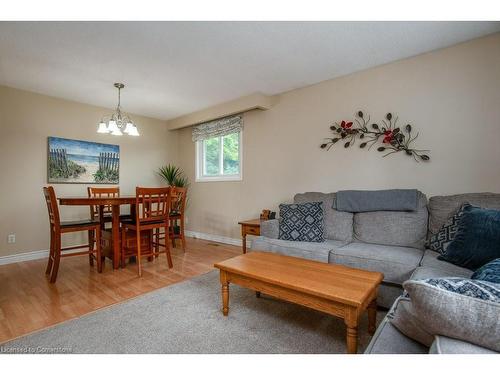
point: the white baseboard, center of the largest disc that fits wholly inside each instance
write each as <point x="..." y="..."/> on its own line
<point x="217" y="238"/>
<point x="23" y="257"/>
<point x="42" y="254"/>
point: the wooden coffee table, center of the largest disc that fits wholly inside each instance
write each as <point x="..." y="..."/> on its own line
<point x="341" y="291"/>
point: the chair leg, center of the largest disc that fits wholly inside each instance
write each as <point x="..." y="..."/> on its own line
<point x="167" y="249"/>
<point x="91" y="247"/>
<point x="172" y="226"/>
<point x="138" y="237"/>
<point x="122" y="248"/>
<point x="51" y="253"/>
<point x="183" y="239"/>
<point x="98" y="249"/>
<point x="157" y="246"/>
<point x="57" y="258"/>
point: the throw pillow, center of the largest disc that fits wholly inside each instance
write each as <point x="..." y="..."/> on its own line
<point x="477" y="240"/>
<point x="301" y="222"/>
<point x="459" y="308"/>
<point x="489" y="272"/>
<point x="404" y="318"/>
<point x="439" y="241"/>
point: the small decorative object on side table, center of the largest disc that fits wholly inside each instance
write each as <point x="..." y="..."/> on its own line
<point x="251" y="227"/>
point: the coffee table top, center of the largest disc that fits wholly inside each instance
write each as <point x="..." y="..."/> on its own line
<point x="331" y="281"/>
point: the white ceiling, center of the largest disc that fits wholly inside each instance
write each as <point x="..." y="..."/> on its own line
<point x="174" y="68"/>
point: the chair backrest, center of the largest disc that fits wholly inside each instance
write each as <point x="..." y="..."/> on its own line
<point x="178" y="200"/>
<point x="102" y="192"/>
<point x="53" y="209"/>
<point x="152" y="204"/>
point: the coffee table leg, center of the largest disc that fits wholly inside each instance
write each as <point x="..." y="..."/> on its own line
<point x="225" y="298"/>
<point x="352" y="340"/>
<point x="372" y="315"/>
<point x="351" y="322"/>
<point x="225" y="292"/>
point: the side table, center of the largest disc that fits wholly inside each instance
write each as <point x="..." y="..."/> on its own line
<point x="251" y="227"/>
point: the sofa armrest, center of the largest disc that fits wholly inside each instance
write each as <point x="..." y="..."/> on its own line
<point x="447" y="345"/>
<point x="270" y="228"/>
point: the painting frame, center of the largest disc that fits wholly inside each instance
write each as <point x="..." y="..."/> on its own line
<point x="73" y="161"/>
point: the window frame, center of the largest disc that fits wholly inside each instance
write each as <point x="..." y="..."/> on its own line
<point x="200" y="161"/>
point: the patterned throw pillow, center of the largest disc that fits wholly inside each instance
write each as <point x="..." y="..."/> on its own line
<point x="463" y="309"/>
<point x="473" y="288"/>
<point x="489" y="272"/>
<point x="301" y="222"/>
<point x="439" y="242"/>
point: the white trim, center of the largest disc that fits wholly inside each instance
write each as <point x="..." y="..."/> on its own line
<point x="44" y="254"/>
<point x="217" y="238"/>
<point x="32" y="255"/>
<point x="23" y="257"/>
<point x="200" y="162"/>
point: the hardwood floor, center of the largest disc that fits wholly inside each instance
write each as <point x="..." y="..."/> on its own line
<point x="28" y="302"/>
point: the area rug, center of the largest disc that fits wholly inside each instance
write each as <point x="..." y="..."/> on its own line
<point x="187" y="318"/>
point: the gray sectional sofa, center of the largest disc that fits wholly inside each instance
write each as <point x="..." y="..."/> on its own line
<point x="386" y="241"/>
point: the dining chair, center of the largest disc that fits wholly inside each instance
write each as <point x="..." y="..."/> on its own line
<point x="152" y="210"/>
<point x="58" y="228"/>
<point x="178" y="207"/>
<point x="102" y="192"/>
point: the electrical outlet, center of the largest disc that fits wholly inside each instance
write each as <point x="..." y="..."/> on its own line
<point x="186" y="220"/>
<point x="11" y="238"/>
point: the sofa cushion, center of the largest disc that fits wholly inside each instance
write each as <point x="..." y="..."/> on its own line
<point x="447" y="345"/>
<point x="395" y="262"/>
<point x="337" y="225"/>
<point x="459" y="308"/>
<point x="387" y="294"/>
<point x="489" y="272"/>
<point x="388" y="340"/>
<point x="301" y="222"/>
<point x="309" y="250"/>
<point x="439" y="242"/>
<point x="395" y="228"/>
<point x="270" y="228"/>
<point x="442" y="207"/>
<point x="477" y="241"/>
<point x="430" y="260"/>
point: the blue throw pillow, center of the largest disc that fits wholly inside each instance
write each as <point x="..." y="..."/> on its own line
<point x="301" y="222"/>
<point x="477" y="240"/>
<point x="489" y="272"/>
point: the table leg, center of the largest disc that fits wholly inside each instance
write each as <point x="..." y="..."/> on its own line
<point x="244" y="242"/>
<point x="352" y="340"/>
<point x="372" y="316"/>
<point x="225" y="292"/>
<point x="351" y="321"/>
<point x="116" y="235"/>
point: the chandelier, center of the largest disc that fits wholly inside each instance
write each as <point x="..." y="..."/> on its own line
<point x="118" y="123"/>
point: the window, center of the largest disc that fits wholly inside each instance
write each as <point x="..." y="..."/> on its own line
<point x="219" y="158"/>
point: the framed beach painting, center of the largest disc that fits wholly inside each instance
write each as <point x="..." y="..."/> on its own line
<point x="81" y="162"/>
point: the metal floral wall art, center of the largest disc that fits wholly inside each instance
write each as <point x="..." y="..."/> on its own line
<point x="390" y="137"/>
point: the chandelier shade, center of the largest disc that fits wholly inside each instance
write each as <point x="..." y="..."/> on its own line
<point x="118" y="123"/>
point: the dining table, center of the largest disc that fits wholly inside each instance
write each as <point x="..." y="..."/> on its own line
<point x="115" y="203"/>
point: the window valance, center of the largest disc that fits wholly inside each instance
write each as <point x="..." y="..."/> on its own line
<point x="218" y="128"/>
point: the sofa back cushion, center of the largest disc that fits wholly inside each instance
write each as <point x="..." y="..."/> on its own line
<point x="398" y="228"/>
<point x="337" y="225"/>
<point x="441" y="208"/>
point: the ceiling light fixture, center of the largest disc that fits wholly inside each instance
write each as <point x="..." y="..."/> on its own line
<point x="118" y="123"/>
